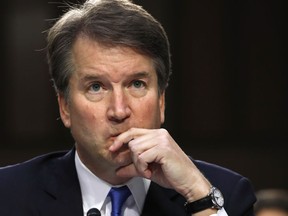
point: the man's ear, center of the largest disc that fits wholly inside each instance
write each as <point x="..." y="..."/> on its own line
<point x="162" y="107"/>
<point x="64" y="110"/>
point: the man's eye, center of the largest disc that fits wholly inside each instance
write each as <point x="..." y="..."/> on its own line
<point x="95" y="87"/>
<point x="138" y="84"/>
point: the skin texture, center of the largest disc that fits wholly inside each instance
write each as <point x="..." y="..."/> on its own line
<point x="115" y="112"/>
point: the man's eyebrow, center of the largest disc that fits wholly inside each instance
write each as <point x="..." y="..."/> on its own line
<point x="141" y="74"/>
<point x="90" y="77"/>
<point x="136" y="75"/>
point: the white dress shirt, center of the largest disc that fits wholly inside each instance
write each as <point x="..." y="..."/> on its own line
<point x="94" y="193"/>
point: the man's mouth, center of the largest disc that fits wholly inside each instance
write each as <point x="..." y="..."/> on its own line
<point x="114" y="136"/>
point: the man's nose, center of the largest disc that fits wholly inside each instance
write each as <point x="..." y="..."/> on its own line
<point x="119" y="108"/>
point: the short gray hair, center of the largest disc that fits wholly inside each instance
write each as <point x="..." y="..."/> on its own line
<point x="111" y="23"/>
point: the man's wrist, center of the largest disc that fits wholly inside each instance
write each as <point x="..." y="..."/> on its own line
<point x="197" y="191"/>
<point x="214" y="200"/>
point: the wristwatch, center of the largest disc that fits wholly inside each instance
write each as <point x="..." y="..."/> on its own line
<point x="214" y="200"/>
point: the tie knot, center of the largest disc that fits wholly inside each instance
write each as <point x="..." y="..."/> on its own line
<point x="118" y="196"/>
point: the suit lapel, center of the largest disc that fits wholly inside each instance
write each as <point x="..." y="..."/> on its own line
<point x="61" y="187"/>
<point x="161" y="201"/>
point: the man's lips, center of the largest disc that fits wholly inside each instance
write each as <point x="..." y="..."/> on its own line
<point x="114" y="136"/>
<point x="124" y="145"/>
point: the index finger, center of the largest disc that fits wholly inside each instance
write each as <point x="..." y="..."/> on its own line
<point x="125" y="138"/>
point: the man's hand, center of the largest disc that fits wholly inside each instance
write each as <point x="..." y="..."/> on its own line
<point x="158" y="157"/>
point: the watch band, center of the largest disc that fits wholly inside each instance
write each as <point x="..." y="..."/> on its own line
<point x="199" y="205"/>
<point x="214" y="200"/>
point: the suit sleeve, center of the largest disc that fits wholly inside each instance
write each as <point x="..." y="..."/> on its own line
<point x="238" y="191"/>
<point x="242" y="199"/>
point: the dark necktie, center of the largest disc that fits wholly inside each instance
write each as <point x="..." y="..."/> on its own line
<point x="118" y="197"/>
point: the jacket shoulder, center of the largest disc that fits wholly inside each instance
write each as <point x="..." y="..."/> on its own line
<point x="237" y="189"/>
<point x="44" y="185"/>
<point x="25" y="173"/>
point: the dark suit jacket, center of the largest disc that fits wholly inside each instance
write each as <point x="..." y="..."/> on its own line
<point x="48" y="186"/>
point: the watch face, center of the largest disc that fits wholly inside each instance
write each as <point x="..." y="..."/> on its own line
<point x="218" y="197"/>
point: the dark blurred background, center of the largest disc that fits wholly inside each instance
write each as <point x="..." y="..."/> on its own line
<point x="227" y="102"/>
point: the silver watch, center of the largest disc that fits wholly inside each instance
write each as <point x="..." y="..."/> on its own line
<point x="214" y="200"/>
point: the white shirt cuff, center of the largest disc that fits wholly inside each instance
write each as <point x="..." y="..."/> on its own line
<point x="220" y="212"/>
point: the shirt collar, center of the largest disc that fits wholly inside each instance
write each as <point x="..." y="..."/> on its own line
<point x="94" y="190"/>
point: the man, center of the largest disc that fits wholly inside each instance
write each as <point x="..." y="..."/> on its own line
<point x="110" y="63"/>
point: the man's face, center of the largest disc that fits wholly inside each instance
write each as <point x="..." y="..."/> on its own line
<point x="112" y="90"/>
